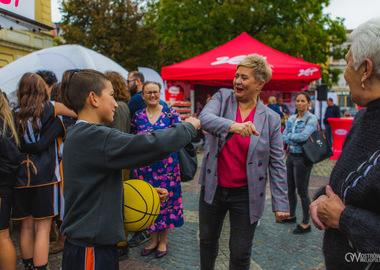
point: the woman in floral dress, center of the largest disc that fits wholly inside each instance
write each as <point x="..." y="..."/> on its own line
<point x="163" y="174"/>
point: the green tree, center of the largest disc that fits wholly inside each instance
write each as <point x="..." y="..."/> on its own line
<point x="113" y="28"/>
<point x="186" y="28"/>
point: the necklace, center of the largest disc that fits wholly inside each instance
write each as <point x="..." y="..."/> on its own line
<point x="156" y="111"/>
<point x="150" y="114"/>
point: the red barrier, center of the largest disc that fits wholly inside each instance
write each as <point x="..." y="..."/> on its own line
<point x="340" y="128"/>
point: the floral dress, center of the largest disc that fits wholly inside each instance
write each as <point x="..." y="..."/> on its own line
<point x="163" y="174"/>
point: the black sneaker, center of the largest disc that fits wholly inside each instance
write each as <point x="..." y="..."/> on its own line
<point x="301" y="230"/>
<point x="139" y="238"/>
<point x="123" y="252"/>
<point x="289" y="220"/>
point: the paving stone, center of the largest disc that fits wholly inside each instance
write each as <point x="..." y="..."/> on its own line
<point x="274" y="245"/>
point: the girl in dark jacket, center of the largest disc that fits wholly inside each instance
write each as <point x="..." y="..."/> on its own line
<point x="9" y="161"/>
<point x="35" y="188"/>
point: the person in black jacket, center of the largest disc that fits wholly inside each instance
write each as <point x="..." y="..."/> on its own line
<point x="332" y="111"/>
<point x="348" y="209"/>
<point x="9" y="162"/>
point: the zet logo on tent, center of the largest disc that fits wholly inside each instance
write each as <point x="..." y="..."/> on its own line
<point x="307" y="72"/>
<point x="230" y="60"/>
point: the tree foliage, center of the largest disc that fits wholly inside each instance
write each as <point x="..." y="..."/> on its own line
<point x="113" y="28"/>
<point x="156" y="33"/>
<point x="187" y="28"/>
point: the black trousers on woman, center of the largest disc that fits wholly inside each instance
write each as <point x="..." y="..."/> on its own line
<point x="298" y="170"/>
<point x="211" y="217"/>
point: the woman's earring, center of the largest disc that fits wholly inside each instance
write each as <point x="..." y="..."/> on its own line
<point x="363" y="86"/>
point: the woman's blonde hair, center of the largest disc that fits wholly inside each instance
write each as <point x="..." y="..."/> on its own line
<point x="272" y="100"/>
<point x="7" y="117"/>
<point x="150" y="82"/>
<point x="260" y="68"/>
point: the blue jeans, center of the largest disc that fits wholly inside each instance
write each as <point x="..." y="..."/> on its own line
<point x="298" y="170"/>
<point x="211" y="217"/>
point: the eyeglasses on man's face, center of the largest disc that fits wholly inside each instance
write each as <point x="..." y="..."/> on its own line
<point x="128" y="81"/>
<point x="148" y="93"/>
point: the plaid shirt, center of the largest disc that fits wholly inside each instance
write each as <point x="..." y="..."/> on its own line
<point x="265" y="155"/>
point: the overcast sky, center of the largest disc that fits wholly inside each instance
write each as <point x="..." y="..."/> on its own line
<point x="354" y="11"/>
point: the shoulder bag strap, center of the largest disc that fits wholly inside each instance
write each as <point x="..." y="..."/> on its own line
<point x="318" y="128"/>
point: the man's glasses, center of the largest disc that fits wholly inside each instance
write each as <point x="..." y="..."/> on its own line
<point x="128" y="81"/>
<point x="148" y="93"/>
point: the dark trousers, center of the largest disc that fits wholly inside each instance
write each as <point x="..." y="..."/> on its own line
<point x="298" y="170"/>
<point x="211" y="216"/>
<point x="94" y="258"/>
<point x="329" y="134"/>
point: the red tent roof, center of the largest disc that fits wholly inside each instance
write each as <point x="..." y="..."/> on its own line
<point x="218" y="66"/>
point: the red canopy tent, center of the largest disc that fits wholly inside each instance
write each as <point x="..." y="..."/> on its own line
<point x="217" y="67"/>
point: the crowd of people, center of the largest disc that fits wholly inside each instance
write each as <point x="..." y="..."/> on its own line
<point x="92" y="131"/>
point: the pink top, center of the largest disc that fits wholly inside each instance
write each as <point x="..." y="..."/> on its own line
<point x="232" y="160"/>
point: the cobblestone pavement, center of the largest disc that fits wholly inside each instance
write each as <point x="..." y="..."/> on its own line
<point x="275" y="247"/>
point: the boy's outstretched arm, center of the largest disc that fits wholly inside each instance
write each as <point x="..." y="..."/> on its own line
<point x="135" y="151"/>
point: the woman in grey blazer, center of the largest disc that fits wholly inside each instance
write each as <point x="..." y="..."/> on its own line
<point x="244" y="144"/>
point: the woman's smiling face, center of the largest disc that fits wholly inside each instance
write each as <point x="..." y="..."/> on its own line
<point x="245" y="85"/>
<point x="151" y="94"/>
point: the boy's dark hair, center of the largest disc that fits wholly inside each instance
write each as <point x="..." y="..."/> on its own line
<point x="78" y="83"/>
<point x="139" y="75"/>
<point x="48" y="76"/>
<point x="56" y="93"/>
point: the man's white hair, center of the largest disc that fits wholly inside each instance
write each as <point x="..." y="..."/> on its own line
<point x="366" y="44"/>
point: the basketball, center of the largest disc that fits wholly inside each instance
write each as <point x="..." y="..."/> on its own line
<point x="141" y="205"/>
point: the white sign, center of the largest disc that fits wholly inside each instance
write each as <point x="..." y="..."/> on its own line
<point x="24" y="8"/>
<point x="341" y="132"/>
<point x="173" y="90"/>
